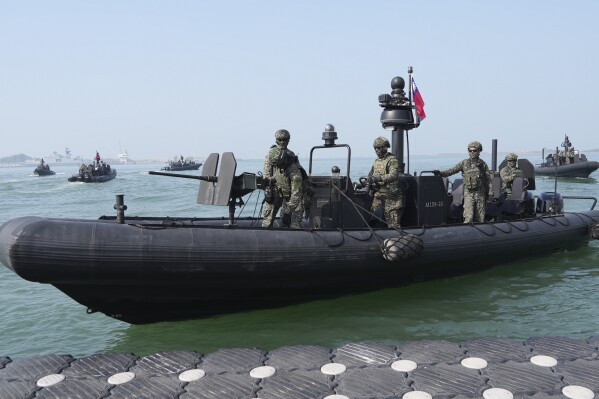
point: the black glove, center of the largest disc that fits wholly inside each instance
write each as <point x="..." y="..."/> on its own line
<point x="286" y="219"/>
<point x="374" y="179"/>
<point x="269" y="196"/>
<point x="437" y="172"/>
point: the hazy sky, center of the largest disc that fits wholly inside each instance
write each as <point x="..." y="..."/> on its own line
<point x="162" y="78"/>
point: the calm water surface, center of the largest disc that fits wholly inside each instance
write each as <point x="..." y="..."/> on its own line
<point x="556" y="295"/>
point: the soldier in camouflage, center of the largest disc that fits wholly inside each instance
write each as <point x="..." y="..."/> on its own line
<point x="570" y="155"/>
<point x="477" y="183"/>
<point x="508" y="173"/>
<point x="384" y="179"/>
<point x="283" y="171"/>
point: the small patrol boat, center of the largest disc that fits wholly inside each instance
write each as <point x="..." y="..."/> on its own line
<point x="43" y="169"/>
<point x="182" y="164"/>
<point x="89" y="174"/>
<point x="98" y="172"/>
<point x="566" y="163"/>
<point x="150" y="269"/>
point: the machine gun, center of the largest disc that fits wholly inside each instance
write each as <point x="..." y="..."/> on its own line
<point x="224" y="188"/>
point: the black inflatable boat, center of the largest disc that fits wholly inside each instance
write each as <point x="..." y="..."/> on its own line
<point x="567" y="162"/>
<point x="148" y="269"/>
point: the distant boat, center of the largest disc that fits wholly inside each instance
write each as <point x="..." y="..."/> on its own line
<point x="89" y="174"/>
<point x="99" y="172"/>
<point x="181" y="164"/>
<point x="566" y="163"/>
<point x="43" y="169"/>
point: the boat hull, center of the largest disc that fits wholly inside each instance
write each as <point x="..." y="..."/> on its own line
<point x="578" y="169"/>
<point x="180" y="168"/>
<point x="154" y="270"/>
<point x="43" y="172"/>
<point x="87" y="178"/>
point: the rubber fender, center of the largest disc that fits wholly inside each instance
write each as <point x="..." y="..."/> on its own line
<point x="396" y="249"/>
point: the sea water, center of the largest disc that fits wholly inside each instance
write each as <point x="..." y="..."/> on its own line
<point x="552" y="296"/>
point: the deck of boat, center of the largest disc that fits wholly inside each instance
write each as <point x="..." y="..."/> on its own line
<point x="545" y="367"/>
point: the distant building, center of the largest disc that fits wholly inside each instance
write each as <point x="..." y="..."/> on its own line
<point x="123" y="157"/>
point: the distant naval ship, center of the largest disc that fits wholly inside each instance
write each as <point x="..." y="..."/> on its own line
<point x="59" y="159"/>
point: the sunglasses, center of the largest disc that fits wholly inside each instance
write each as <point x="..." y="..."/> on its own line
<point x="282" y="141"/>
<point x="472" y="150"/>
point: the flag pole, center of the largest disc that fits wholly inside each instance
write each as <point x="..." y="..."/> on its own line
<point x="410" y="70"/>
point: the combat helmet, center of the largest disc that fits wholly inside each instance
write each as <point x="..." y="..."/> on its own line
<point x="511" y="157"/>
<point x="475" y="144"/>
<point x="282" y="134"/>
<point x="381" y="141"/>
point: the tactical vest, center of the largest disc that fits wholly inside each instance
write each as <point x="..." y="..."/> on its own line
<point x="282" y="177"/>
<point x="380" y="168"/>
<point x="474" y="176"/>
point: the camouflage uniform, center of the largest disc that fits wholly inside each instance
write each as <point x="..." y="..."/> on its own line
<point x="385" y="175"/>
<point x="509" y="173"/>
<point x="570" y="158"/>
<point x="302" y="193"/>
<point x="477" y="183"/>
<point x="282" y="166"/>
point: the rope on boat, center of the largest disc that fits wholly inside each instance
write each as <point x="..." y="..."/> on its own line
<point x="593" y="227"/>
<point x="484" y="232"/>
<point x="545" y="220"/>
<point x="589" y="217"/>
<point x="495" y="225"/>
<point x="254" y="218"/>
<point x="422" y="231"/>
<point x="358" y="238"/>
<point x="503" y="231"/>
<point x="315" y="232"/>
<point x="512" y="223"/>
<point x="394" y="249"/>
<point x="566" y="223"/>
<point x="150" y="226"/>
<point x="256" y="206"/>
<point x="556" y="220"/>
<point x="356" y="206"/>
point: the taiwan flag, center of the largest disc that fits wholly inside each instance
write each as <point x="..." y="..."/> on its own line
<point x="418" y="101"/>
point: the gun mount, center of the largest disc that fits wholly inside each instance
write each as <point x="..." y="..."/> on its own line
<point x="224" y="188"/>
